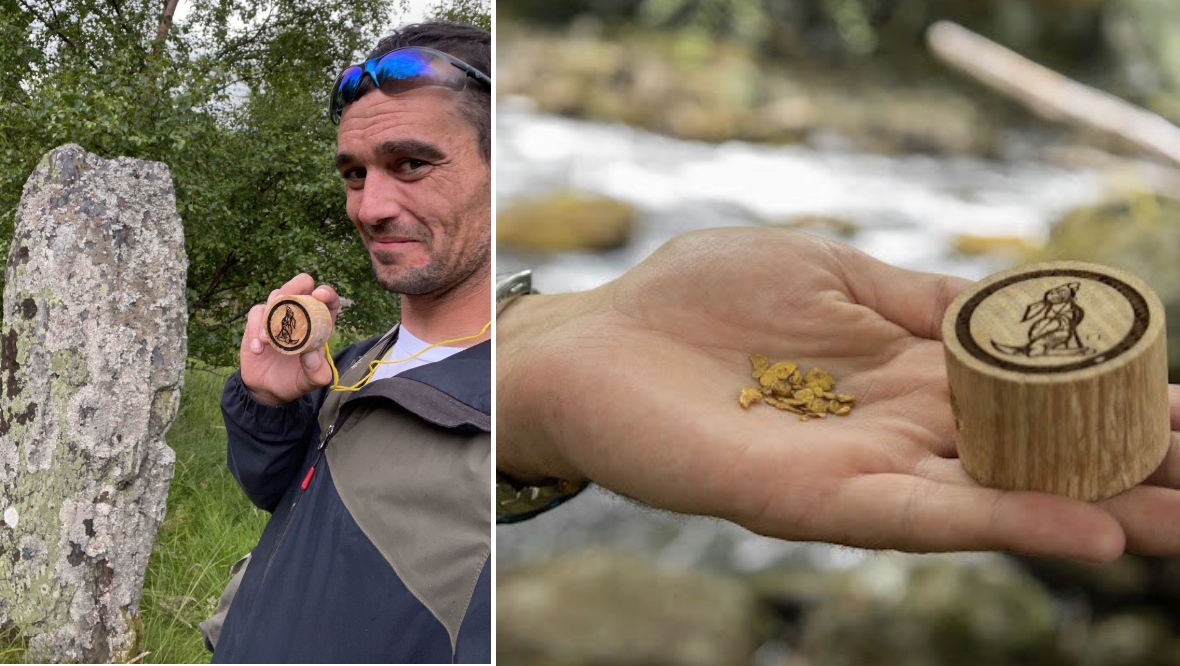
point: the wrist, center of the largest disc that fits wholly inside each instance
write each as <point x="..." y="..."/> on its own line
<point x="264" y="397"/>
<point x="528" y="388"/>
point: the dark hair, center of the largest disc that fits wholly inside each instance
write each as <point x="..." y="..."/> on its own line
<point x="471" y="45"/>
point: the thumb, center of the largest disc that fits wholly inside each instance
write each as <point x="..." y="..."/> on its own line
<point x="316" y="372"/>
<point x="914" y="300"/>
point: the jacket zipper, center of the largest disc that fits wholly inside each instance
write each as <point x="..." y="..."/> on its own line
<point x="311" y="472"/>
<point x="302" y="489"/>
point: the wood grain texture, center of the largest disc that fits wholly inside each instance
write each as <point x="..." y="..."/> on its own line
<point x="1059" y="380"/>
<point x="297" y="324"/>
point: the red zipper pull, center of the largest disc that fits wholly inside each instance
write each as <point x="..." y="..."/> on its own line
<point x="320" y="448"/>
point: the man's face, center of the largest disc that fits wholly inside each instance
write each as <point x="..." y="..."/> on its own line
<point x="417" y="189"/>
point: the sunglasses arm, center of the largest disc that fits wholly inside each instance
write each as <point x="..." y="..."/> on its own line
<point x="471" y="71"/>
<point x="480" y="76"/>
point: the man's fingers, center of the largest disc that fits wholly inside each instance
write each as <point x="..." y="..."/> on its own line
<point x="1148" y="516"/>
<point x="316" y="371"/>
<point x="920" y="515"/>
<point x="1145" y="512"/>
<point x="1168" y="473"/>
<point x="253" y="329"/>
<point x="327" y="295"/>
<point x="1174" y="404"/>
<point x="915" y="301"/>
<point x="301" y="285"/>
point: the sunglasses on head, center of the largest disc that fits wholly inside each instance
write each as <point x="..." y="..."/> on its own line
<point x="401" y="70"/>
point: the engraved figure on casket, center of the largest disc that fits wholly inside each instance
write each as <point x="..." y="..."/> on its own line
<point x="1054" y="331"/>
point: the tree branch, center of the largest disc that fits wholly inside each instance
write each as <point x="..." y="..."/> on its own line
<point x="231" y="259"/>
<point x="1050" y="94"/>
<point x="240" y="315"/>
<point x="126" y="28"/>
<point x="165" y="24"/>
<point x="52" y="27"/>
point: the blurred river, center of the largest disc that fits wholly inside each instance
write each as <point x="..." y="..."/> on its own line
<point x="908" y="209"/>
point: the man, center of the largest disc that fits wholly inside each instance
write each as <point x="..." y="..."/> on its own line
<point x="645" y="404"/>
<point x="378" y="547"/>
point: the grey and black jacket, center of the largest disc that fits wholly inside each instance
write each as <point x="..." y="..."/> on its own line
<point x="378" y="547"/>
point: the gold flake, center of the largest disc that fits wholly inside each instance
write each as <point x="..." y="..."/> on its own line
<point x="760" y="363"/>
<point x="820" y="378"/>
<point x="749" y="396"/>
<point x="783" y="386"/>
<point x="783" y="369"/>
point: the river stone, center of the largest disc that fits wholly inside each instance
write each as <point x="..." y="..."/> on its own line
<point x="1131" y="639"/>
<point x="931" y="611"/>
<point x="609" y="609"/>
<point x="93" y="347"/>
<point x="565" y="221"/>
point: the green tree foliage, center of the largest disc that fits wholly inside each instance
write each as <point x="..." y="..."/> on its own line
<point x="234" y="100"/>
<point x="472" y="12"/>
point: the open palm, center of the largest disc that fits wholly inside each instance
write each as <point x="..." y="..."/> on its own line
<point x="635" y="387"/>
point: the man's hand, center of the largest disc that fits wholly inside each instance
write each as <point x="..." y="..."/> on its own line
<point x="274" y="378"/>
<point x="634" y="385"/>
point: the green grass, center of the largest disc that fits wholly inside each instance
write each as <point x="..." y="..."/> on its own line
<point x="209" y="525"/>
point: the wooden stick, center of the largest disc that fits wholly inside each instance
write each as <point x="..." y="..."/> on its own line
<point x="1050" y="94"/>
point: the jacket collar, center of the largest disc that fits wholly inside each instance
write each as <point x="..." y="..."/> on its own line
<point x="454" y="392"/>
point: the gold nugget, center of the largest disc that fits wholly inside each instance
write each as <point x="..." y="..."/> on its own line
<point x="760" y="364"/>
<point x="810" y="395"/>
<point x="750" y="396"/>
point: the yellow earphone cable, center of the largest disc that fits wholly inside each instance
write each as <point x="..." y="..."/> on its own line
<point x="373" y="364"/>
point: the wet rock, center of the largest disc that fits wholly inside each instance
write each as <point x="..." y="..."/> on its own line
<point x="1142" y="34"/>
<point x="692" y="86"/>
<point x="1013" y="247"/>
<point x="1139" y="234"/>
<point x="1109" y="587"/>
<point x="565" y="221"/>
<point x="1131" y="639"/>
<point x="933" y="611"/>
<point x="93" y="350"/>
<point x="609" y="609"/>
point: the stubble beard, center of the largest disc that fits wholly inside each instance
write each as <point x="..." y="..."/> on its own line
<point x="436" y="276"/>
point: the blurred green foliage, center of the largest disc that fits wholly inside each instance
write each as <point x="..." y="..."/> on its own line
<point x="1129" y="47"/>
<point x="234" y="100"/>
<point x="839" y="28"/>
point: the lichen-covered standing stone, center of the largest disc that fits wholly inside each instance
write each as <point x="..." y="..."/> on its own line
<point x="92" y="355"/>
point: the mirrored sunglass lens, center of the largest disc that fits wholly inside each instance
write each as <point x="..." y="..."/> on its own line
<point x="349" y="80"/>
<point x="345" y="91"/>
<point x="404" y="70"/>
